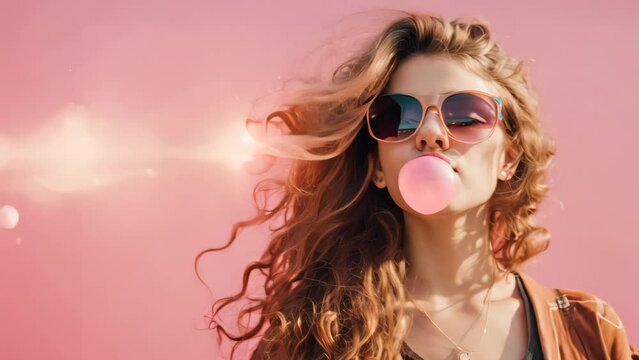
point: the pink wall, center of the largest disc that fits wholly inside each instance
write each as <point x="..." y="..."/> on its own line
<point x="114" y="116"/>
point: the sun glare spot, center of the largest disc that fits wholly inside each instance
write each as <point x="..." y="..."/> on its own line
<point x="9" y="217"/>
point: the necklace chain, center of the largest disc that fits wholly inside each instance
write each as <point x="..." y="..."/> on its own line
<point x="463" y="353"/>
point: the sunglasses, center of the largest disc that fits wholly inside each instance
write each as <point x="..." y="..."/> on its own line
<point x="469" y="116"/>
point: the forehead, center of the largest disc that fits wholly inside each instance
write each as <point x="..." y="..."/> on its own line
<point x="427" y="74"/>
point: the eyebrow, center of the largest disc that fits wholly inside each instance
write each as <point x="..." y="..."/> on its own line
<point x="422" y="94"/>
<point x="442" y="93"/>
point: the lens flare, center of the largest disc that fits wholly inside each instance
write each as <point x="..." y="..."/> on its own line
<point x="9" y="217"/>
<point x="78" y="150"/>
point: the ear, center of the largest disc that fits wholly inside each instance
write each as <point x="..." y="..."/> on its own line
<point x="378" y="175"/>
<point x="513" y="155"/>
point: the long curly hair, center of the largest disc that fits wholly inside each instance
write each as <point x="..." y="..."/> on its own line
<point x="335" y="268"/>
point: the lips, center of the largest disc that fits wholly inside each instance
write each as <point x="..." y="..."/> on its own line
<point x="443" y="157"/>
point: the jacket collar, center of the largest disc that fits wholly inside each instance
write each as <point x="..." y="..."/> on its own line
<point x="542" y="299"/>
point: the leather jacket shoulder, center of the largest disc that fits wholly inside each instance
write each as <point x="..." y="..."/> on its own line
<point x="575" y="324"/>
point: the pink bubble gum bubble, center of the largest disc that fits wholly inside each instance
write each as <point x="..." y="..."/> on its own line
<point x="427" y="184"/>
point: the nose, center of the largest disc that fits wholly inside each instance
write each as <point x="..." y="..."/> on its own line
<point x="432" y="131"/>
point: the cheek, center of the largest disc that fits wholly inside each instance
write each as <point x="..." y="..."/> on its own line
<point x="390" y="167"/>
<point x="481" y="165"/>
<point x="390" y="159"/>
<point x="391" y="162"/>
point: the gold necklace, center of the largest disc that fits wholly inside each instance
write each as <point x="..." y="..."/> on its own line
<point x="462" y="353"/>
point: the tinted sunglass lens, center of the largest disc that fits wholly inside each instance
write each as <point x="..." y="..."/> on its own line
<point x="469" y="117"/>
<point x="394" y="117"/>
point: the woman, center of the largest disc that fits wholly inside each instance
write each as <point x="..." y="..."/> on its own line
<point x="358" y="270"/>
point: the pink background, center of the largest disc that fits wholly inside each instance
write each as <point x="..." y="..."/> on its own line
<point x="121" y="145"/>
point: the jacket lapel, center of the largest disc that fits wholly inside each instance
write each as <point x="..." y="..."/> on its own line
<point x="542" y="298"/>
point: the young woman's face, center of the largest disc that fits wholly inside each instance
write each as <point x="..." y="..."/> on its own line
<point x="477" y="166"/>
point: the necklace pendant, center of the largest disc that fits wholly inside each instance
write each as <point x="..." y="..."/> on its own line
<point x="464" y="356"/>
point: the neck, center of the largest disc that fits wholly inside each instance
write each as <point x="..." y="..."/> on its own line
<point x="449" y="255"/>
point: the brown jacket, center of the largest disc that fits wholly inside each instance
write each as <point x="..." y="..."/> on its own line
<point x="576" y="324"/>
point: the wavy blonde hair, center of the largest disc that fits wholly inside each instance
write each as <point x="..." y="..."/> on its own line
<point x="335" y="269"/>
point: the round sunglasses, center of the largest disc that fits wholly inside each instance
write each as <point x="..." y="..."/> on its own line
<point x="469" y="116"/>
